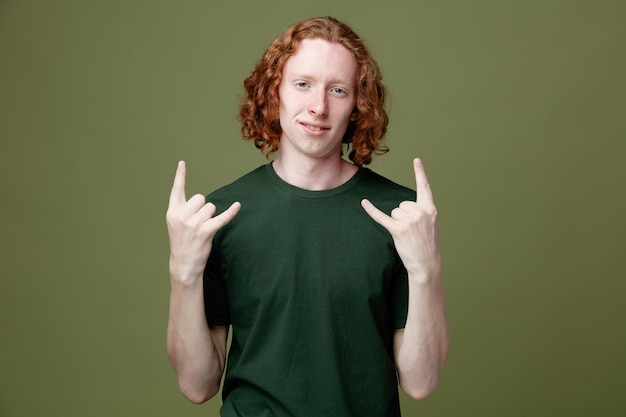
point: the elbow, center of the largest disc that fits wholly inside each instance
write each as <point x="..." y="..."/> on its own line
<point x="196" y="396"/>
<point x="421" y="391"/>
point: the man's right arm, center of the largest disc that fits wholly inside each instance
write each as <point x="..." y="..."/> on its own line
<point x="196" y="351"/>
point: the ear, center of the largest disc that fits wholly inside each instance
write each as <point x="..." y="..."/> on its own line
<point x="354" y="115"/>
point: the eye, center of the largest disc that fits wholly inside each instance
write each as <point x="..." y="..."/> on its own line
<point x="338" y="90"/>
<point x="302" y="84"/>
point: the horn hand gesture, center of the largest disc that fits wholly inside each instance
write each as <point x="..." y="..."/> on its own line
<point x="414" y="228"/>
<point x="191" y="226"/>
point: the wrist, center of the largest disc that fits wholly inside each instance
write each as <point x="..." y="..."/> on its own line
<point x="185" y="277"/>
<point x="425" y="277"/>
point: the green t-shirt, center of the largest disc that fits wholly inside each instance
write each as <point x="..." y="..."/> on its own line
<point x="314" y="290"/>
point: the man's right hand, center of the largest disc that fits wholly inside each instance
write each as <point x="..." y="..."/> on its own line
<point x="191" y="228"/>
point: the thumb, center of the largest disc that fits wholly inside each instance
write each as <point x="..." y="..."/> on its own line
<point x="224" y="218"/>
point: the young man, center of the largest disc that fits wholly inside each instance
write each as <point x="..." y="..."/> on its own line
<point x="328" y="273"/>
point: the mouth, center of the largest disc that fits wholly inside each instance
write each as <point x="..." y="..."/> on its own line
<point x="315" y="128"/>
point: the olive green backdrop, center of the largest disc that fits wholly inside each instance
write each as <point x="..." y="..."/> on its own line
<point x="516" y="107"/>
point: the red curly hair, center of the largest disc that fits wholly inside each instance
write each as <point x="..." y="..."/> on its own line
<point x="259" y="114"/>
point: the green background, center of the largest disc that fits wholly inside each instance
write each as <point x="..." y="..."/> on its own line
<point x="516" y="107"/>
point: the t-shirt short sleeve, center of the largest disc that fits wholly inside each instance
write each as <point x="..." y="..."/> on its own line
<point x="399" y="298"/>
<point x="215" y="294"/>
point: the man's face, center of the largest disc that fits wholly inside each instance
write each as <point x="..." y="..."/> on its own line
<point x="317" y="99"/>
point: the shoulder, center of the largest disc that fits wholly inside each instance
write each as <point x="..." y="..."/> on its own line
<point x="383" y="192"/>
<point x="247" y="186"/>
<point x="380" y="184"/>
<point x="244" y="183"/>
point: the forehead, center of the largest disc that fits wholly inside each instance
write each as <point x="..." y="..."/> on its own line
<point x="320" y="58"/>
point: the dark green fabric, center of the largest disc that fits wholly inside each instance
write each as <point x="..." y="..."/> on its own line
<point x="314" y="289"/>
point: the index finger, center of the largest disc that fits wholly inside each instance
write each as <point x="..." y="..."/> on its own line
<point x="424" y="192"/>
<point x="177" y="195"/>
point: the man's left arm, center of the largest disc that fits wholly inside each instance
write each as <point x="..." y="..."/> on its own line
<point x="421" y="348"/>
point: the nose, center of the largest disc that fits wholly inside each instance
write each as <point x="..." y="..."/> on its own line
<point x="318" y="105"/>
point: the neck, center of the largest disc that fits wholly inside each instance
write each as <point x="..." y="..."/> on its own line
<point x="314" y="174"/>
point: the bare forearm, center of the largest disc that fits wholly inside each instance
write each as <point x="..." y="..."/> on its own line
<point x="422" y="347"/>
<point x="195" y="355"/>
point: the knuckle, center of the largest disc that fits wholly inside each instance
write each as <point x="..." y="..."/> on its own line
<point x="171" y="216"/>
<point x="197" y="197"/>
<point x="418" y="216"/>
<point x="431" y="210"/>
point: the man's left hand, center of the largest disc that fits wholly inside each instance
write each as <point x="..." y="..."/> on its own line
<point x="414" y="228"/>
